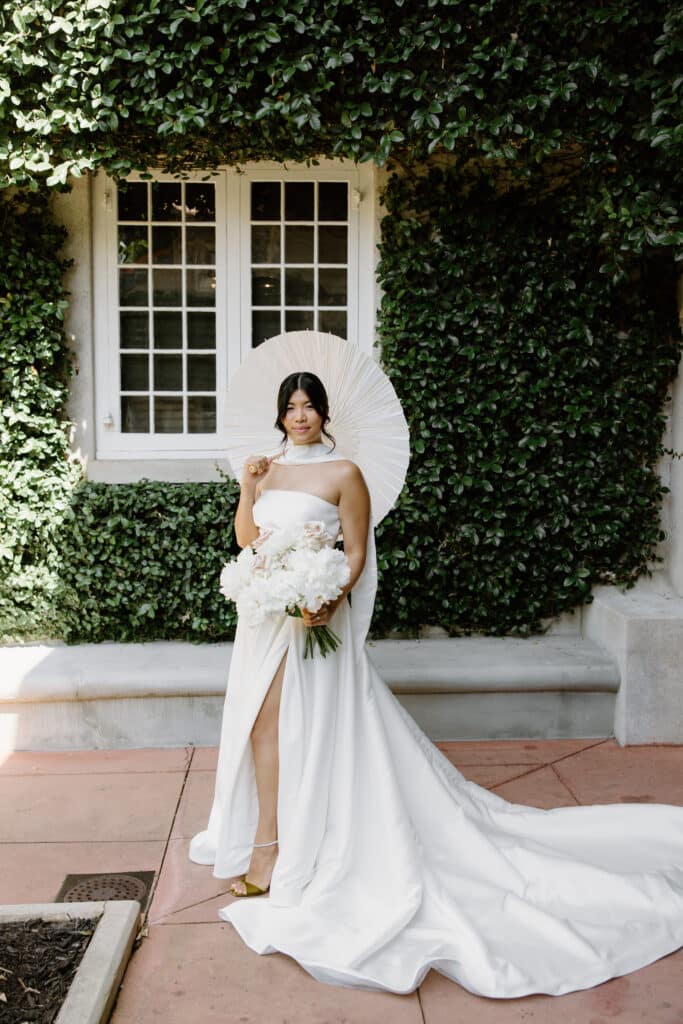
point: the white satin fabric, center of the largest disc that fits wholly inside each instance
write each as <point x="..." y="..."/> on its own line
<point x="391" y="863"/>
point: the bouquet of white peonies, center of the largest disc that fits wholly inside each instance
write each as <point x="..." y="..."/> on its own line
<point x="285" y="570"/>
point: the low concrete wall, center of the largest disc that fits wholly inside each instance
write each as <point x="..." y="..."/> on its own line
<point x="54" y="697"/>
<point x="642" y="629"/>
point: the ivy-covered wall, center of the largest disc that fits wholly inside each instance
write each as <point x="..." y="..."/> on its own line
<point x="534" y="387"/>
<point x="528" y="319"/>
<point x="36" y="473"/>
<point x="118" y="81"/>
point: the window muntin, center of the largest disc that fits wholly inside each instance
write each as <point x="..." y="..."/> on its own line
<point x="166" y="246"/>
<point x="154" y="227"/>
<point x="299" y="251"/>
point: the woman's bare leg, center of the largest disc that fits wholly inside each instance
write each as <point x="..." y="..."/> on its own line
<point x="264" y="743"/>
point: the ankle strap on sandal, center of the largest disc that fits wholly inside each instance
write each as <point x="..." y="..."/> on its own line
<point x="267" y="844"/>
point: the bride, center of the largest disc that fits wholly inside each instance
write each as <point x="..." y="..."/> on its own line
<point x="371" y="856"/>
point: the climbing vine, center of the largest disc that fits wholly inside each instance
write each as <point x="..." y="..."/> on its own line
<point x="534" y="388"/>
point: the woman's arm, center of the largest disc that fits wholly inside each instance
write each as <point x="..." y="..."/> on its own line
<point x="354" y="516"/>
<point x="246" y="529"/>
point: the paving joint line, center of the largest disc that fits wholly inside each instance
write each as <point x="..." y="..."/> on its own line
<point x="561" y="779"/>
<point x="419" y="1003"/>
<point x="566" y="785"/>
<point x="72" y="842"/>
<point x="575" y="753"/>
<point x="145" y="917"/>
<point x="522" y="775"/>
<point x="189" y="906"/>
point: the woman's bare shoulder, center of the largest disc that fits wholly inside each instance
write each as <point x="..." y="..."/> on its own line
<point x="348" y="473"/>
<point x="346" y="466"/>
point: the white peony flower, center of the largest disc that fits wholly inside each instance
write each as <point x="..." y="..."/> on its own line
<point x="291" y="568"/>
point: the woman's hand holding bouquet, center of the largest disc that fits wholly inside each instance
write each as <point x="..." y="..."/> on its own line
<point x="294" y="570"/>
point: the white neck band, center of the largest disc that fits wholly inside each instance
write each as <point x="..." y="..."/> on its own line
<point x="317" y="451"/>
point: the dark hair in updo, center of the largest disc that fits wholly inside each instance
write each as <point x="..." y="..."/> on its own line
<point x="314" y="388"/>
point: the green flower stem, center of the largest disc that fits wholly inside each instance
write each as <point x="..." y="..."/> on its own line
<point x="322" y="637"/>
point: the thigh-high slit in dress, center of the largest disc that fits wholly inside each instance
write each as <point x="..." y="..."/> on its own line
<point x="390" y="862"/>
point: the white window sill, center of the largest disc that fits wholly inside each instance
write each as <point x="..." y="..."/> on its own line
<point x="127" y="471"/>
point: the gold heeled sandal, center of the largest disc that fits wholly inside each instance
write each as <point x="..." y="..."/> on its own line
<point x="252" y="890"/>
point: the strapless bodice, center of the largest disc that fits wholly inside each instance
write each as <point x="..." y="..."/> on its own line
<point x="276" y="507"/>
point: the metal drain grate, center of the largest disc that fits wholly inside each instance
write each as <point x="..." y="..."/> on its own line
<point x="114" y="885"/>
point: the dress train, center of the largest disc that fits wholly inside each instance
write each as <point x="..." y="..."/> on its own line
<point x="391" y="862"/>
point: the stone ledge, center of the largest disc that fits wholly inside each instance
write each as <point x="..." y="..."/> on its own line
<point x="167" y="694"/>
<point x="642" y="629"/>
<point x="494" y="664"/>
<point x="57" y="672"/>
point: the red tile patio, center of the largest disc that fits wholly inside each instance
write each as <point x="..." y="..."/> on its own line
<point x="135" y="810"/>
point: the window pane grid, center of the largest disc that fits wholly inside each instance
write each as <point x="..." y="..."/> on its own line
<point x="315" y="257"/>
<point x="168" y="380"/>
<point x="313" y="294"/>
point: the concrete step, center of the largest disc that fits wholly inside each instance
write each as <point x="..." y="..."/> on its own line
<point x="502" y="687"/>
<point x="169" y="693"/>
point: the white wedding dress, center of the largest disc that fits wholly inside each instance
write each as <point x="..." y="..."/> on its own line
<point x="390" y="862"/>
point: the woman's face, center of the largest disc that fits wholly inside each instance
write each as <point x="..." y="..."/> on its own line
<point x="301" y="421"/>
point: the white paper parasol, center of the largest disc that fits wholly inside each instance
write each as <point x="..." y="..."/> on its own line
<point x="366" y="418"/>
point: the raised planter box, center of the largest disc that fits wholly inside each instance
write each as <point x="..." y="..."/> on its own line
<point x="93" y="990"/>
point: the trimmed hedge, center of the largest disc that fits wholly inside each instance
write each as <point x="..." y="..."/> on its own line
<point x="142" y="562"/>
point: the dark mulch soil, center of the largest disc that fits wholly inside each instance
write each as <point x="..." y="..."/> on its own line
<point x="38" y="960"/>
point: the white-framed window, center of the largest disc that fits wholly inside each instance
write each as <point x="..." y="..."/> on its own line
<point x="190" y="274"/>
